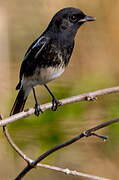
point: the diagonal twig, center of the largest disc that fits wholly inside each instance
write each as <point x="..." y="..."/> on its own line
<point x="70" y="172"/>
<point x="30" y="161"/>
<point x="86" y="96"/>
<point x="82" y="97"/>
<point x="87" y="133"/>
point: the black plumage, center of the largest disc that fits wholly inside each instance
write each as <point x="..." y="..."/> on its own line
<point x="48" y="56"/>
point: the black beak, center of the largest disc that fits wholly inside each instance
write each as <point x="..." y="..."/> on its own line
<point x="87" y="18"/>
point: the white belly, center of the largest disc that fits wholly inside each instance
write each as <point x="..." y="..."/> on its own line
<point x="43" y="76"/>
<point x="49" y="74"/>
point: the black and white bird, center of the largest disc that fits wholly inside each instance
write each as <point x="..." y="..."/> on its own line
<point x="48" y="56"/>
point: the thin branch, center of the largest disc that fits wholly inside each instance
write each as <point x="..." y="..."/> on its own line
<point x="13" y="145"/>
<point x="70" y="172"/>
<point x="87" y="133"/>
<point x="66" y="171"/>
<point x="86" y="96"/>
<point x="82" y="97"/>
<point x="29" y="161"/>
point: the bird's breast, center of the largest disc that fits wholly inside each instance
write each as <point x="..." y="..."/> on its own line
<point x="44" y="75"/>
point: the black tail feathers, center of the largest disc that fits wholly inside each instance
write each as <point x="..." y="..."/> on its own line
<point x="19" y="103"/>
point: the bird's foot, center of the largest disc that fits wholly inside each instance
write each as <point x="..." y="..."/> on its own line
<point x="55" y="104"/>
<point x="37" y="110"/>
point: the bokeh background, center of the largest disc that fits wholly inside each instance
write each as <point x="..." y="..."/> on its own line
<point x="94" y="65"/>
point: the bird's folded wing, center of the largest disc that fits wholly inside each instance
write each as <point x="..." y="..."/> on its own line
<point x="36" y="47"/>
<point x="29" y="61"/>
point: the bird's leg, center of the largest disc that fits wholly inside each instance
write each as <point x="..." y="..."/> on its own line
<point x="55" y="102"/>
<point x="37" y="106"/>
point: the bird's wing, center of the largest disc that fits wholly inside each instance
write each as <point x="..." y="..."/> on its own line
<point x="36" y="47"/>
<point x="29" y="62"/>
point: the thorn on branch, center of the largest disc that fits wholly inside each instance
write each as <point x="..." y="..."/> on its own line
<point x="67" y="171"/>
<point x="89" y="133"/>
<point x="91" y="98"/>
<point x="100" y="136"/>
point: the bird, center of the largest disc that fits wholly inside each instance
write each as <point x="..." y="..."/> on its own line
<point x="48" y="56"/>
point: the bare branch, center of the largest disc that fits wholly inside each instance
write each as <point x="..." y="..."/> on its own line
<point x="13" y="145"/>
<point x="87" y="133"/>
<point x="30" y="161"/>
<point x="82" y="97"/>
<point x="70" y="172"/>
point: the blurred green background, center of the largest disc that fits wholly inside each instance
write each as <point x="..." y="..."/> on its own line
<point x="94" y="65"/>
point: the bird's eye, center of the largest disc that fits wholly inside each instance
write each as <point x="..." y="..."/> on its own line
<point x="73" y="18"/>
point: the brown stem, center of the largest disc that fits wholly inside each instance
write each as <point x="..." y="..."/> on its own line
<point x="29" y="161"/>
<point x="86" y="133"/>
<point x="82" y="97"/>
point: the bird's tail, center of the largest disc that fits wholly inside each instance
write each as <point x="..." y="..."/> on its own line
<point x="19" y="102"/>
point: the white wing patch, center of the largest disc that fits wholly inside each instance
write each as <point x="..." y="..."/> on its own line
<point x="38" y="41"/>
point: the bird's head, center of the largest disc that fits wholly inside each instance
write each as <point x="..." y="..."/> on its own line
<point x="68" y="20"/>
